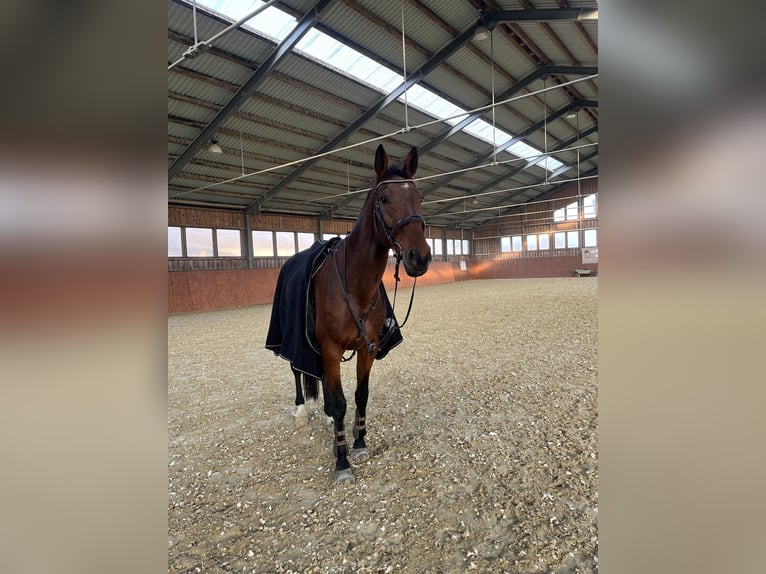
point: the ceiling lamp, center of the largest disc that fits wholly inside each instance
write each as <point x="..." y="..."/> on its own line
<point x="481" y="33"/>
<point x="214" y="147"/>
<point x="483" y="30"/>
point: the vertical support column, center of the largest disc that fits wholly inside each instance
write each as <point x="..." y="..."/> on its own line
<point x="184" y="252"/>
<point x="320" y="228"/>
<point x="215" y="242"/>
<point x="444" y="243"/>
<point x="248" y="241"/>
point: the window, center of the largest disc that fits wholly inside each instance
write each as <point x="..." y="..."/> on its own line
<point x="589" y="206"/>
<point x="305" y="240"/>
<point x="175" y="249"/>
<point x="438" y="247"/>
<point x="531" y="242"/>
<point x="199" y="242"/>
<point x="590" y="239"/>
<point x="450" y="247"/>
<point x="573" y="239"/>
<point x="229" y="242"/>
<point x="558" y="215"/>
<point x="285" y="243"/>
<point x="263" y="244"/>
<point x="572" y="211"/>
<point x="430" y="242"/>
<point x="505" y="244"/>
<point x="516" y="243"/>
<point x="328" y="236"/>
<point x="458" y="247"/>
<point x="466" y="250"/>
<point x="559" y="240"/>
<point x="543" y="241"/>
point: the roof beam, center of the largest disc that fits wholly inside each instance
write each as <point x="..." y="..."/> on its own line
<point x="581" y="103"/>
<point x="545" y="194"/>
<point x="542" y="15"/>
<point x="538" y="74"/>
<point x="563" y="145"/>
<point x="257" y="77"/>
<point x="415" y="77"/>
<point x="514" y="171"/>
<point x="533" y="52"/>
<point x="493" y="151"/>
<point x="540" y="197"/>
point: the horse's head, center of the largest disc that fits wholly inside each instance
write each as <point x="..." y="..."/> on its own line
<point x="397" y="211"/>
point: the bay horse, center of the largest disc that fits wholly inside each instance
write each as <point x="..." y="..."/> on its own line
<point x="350" y="303"/>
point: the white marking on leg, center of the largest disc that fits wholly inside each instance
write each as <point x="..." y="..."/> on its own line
<point x="301" y="416"/>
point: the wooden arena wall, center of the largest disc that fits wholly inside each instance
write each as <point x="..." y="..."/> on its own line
<point x="198" y="284"/>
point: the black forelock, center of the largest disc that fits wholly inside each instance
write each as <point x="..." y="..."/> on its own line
<point x="396" y="170"/>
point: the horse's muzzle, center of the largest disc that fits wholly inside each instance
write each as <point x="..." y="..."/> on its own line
<point x="416" y="264"/>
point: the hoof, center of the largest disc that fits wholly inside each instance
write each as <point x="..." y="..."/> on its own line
<point x="359" y="454"/>
<point x="345" y="476"/>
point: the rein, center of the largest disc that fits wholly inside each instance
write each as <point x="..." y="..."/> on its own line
<point x="361" y="330"/>
<point x="396" y="288"/>
<point x="389" y="232"/>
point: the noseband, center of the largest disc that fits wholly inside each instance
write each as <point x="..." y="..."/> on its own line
<point x="390" y="231"/>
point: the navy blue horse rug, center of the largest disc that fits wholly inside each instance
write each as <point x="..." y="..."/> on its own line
<point x="291" y="330"/>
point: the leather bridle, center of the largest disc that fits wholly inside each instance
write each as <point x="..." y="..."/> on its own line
<point x="391" y="231"/>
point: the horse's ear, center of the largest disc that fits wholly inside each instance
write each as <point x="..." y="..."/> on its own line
<point x="411" y="162"/>
<point x="381" y="162"/>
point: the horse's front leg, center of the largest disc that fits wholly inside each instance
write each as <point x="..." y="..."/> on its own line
<point x="363" y="367"/>
<point x="335" y="406"/>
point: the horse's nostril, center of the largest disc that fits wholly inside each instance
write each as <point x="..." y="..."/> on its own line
<point x="413" y="254"/>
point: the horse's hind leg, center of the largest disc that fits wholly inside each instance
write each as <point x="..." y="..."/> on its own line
<point x="301" y="416"/>
<point x="364" y="362"/>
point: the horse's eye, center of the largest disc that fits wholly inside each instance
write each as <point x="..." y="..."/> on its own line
<point x="384" y="200"/>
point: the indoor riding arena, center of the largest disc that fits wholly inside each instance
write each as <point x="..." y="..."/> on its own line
<point x="441" y="158"/>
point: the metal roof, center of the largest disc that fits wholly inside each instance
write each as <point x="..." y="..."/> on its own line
<point x="268" y="104"/>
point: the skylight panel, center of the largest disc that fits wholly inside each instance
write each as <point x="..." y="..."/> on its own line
<point x="483" y="130"/>
<point x="357" y="66"/>
<point x="347" y="61"/>
<point x="318" y="45"/>
<point x="276" y="25"/>
<point x="526" y="151"/>
<point x="480" y="129"/>
<point x="432" y="104"/>
<point x="272" y="22"/>
<point x="523" y="150"/>
<point x="549" y="163"/>
<point x="280" y="24"/>
<point x="383" y="78"/>
<point x="422" y="99"/>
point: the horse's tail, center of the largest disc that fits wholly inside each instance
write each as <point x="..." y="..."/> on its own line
<point x="310" y="387"/>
